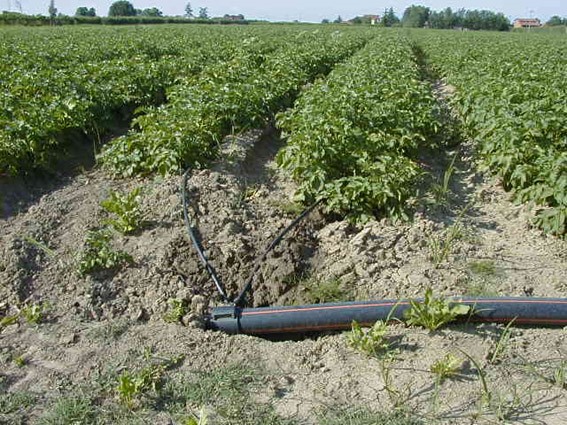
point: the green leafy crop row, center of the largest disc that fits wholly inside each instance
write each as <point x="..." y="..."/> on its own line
<point x="59" y="83"/>
<point x="512" y="96"/>
<point x="240" y="94"/>
<point x="352" y="139"/>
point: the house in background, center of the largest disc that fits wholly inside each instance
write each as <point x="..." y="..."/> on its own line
<point x="239" y="17"/>
<point x="374" y="19"/>
<point x="527" y="23"/>
<point x="365" y="19"/>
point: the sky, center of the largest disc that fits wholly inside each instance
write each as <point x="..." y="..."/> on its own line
<point x="303" y="10"/>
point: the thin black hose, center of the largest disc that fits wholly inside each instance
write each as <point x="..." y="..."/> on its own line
<point x="239" y="301"/>
<point x="208" y="267"/>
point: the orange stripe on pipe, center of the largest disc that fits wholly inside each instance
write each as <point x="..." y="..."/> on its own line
<point x="332" y="307"/>
<point x="391" y="304"/>
<point x="347" y="326"/>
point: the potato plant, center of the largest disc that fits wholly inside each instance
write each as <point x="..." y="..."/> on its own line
<point x="352" y="139"/>
<point x="57" y="85"/>
<point x="511" y="97"/>
<point x="235" y="96"/>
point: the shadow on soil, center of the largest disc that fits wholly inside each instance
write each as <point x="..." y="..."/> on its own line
<point x="76" y="155"/>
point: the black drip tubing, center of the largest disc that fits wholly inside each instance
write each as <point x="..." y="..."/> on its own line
<point x="241" y="298"/>
<point x="200" y="252"/>
<point x="339" y="316"/>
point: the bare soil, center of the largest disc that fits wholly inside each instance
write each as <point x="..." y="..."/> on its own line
<point x="105" y="321"/>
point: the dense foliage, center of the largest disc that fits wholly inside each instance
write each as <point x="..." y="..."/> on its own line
<point x="149" y="17"/>
<point x="421" y="16"/>
<point x="469" y="19"/>
<point x="556" y="21"/>
<point x="352" y="139"/>
<point x="241" y="94"/>
<point x="85" y="11"/>
<point x="70" y="80"/>
<point x="358" y="108"/>
<point x="512" y="96"/>
<point x="121" y="8"/>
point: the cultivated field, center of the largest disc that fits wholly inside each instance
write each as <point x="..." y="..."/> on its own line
<point x="439" y="161"/>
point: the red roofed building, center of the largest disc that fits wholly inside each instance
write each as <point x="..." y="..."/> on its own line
<point x="527" y="23"/>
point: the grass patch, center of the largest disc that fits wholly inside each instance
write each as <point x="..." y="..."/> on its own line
<point x="40" y="246"/>
<point x="72" y="410"/>
<point x="15" y="402"/>
<point x="481" y="276"/>
<point x="479" y="288"/>
<point x="310" y="289"/>
<point x="483" y="268"/>
<point x="150" y="390"/>
<point x="552" y="371"/>
<point x="441" y="246"/>
<point x="289" y="208"/>
<point x="441" y="190"/>
<point x="135" y="386"/>
<point x="325" y="291"/>
<point x="496" y="353"/>
<point x="109" y="331"/>
<point x="227" y="392"/>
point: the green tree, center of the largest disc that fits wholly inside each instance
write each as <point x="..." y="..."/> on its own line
<point x="556" y="21"/>
<point x="52" y="10"/>
<point x="122" y="8"/>
<point x="485" y="20"/>
<point x="415" y="16"/>
<point x="203" y="13"/>
<point x="325" y="21"/>
<point x="445" y="19"/>
<point x="339" y="20"/>
<point x="389" y="19"/>
<point x="188" y="11"/>
<point x="85" y="11"/>
<point x="153" y="11"/>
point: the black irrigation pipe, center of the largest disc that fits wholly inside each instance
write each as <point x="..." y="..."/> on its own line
<point x="339" y="316"/>
<point x="235" y="319"/>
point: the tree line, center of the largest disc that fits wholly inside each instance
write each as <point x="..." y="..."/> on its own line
<point x="126" y="8"/>
<point x="121" y="12"/>
<point x="417" y="16"/>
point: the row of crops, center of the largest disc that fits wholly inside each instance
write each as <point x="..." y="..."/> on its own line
<point x="226" y="98"/>
<point x="512" y="97"/>
<point x="57" y="82"/>
<point x="353" y="139"/>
